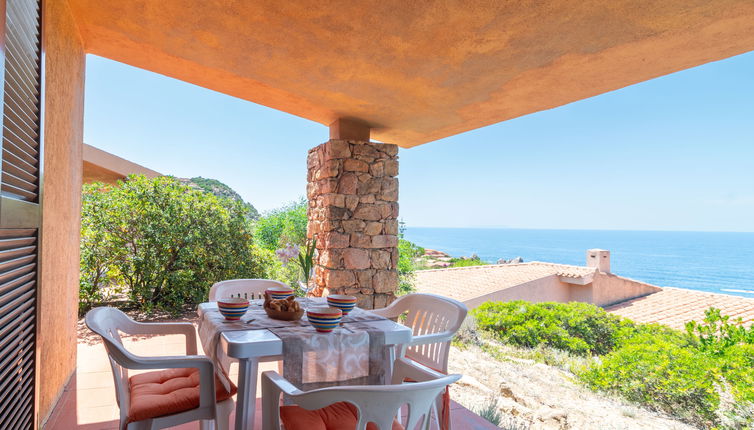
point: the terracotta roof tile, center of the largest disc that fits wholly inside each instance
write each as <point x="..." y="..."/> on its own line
<point x="675" y="307"/>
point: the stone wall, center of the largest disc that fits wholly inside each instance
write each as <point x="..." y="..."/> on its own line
<point x="353" y="212"/>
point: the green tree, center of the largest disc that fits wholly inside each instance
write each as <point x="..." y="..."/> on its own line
<point x="281" y="227"/>
<point x="407" y="254"/>
<point x="166" y="242"/>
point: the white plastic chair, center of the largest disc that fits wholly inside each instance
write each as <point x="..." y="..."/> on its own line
<point x="247" y="288"/>
<point x="110" y="322"/>
<point x="434" y="321"/>
<point x="374" y="403"/>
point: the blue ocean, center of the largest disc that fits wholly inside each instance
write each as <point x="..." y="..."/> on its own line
<point x="705" y="261"/>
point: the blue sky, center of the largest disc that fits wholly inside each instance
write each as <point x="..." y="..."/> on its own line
<point x="673" y="153"/>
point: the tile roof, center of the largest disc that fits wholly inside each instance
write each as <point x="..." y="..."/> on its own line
<point x="466" y="283"/>
<point x="674" y="307"/>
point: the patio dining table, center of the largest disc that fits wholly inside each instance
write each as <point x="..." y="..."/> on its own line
<point x="250" y="346"/>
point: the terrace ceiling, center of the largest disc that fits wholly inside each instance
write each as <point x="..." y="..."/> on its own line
<point x="415" y="71"/>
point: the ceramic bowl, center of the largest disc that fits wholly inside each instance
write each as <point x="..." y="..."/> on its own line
<point x="344" y="303"/>
<point x="324" y="320"/>
<point x="280" y="292"/>
<point x="233" y="308"/>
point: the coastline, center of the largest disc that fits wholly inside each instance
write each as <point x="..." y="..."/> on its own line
<point x="718" y="262"/>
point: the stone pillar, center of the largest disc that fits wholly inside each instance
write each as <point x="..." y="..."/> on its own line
<point x="353" y="212"/>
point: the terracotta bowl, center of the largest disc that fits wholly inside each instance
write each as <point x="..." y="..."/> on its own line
<point x="233" y="308"/>
<point x="324" y="319"/>
<point x="344" y="303"/>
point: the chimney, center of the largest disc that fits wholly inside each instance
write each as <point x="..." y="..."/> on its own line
<point x="599" y="258"/>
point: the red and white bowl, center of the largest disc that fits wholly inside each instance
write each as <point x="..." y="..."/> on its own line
<point x="342" y="302"/>
<point x="280" y="292"/>
<point x="233" y="308"/>
<point x="324" y="319"/>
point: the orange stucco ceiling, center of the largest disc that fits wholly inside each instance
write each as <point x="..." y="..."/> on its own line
<point x="415" y="71"/>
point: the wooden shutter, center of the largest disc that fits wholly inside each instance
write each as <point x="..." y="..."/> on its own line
<point x="20" y="168"/>
<point x="20" y="192"/>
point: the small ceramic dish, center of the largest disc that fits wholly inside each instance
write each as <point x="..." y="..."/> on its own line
<point x="280" y="292"/>
<point x="324" y="319"/>
<point x="233" y="308"/>
<point x="344" y="303"/>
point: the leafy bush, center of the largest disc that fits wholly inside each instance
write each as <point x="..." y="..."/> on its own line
<point x="660" y="373"/>
<point x="578" y="328"/>
<point x="166" y="243"/>
<point x="717" y="332"/>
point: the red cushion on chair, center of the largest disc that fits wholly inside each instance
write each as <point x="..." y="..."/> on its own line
<point x="166" y="392"/>
<point x="338" y="416"/>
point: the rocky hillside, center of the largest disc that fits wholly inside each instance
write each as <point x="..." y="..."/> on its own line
<point x="534" y="396"/>
<point x="221" y="190"/>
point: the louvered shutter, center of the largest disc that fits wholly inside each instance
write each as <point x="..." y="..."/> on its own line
<point x="19" y="210"/>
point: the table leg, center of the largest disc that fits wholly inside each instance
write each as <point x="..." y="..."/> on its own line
<point x="246" y="401"/>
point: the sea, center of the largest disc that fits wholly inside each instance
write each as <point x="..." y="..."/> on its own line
<point x="705" y="261"/>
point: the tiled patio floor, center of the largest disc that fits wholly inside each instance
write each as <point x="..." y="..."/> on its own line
<point x="89" y="399"/>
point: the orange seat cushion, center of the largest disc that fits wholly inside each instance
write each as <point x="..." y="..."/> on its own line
<point x="338" y="416"/>
<point x="169" y="391"/>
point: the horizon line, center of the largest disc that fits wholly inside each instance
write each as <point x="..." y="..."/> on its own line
<point x="582" y="229"/>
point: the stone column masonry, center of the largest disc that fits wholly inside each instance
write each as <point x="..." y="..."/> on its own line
<point x="353" y="212"/>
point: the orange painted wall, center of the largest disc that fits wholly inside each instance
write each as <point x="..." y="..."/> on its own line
<point x="61" y="207"/>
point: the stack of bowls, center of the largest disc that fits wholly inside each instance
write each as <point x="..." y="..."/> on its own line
<point x="344" y="303"/>
<point x="280" y="292"/>
<point x="233" y="308"/>
<point x="324" y="319"/>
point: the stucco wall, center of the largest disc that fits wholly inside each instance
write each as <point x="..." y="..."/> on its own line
<point x="548" y="289"/>
<point x="59" y="261"/>
<point x="608" y="289"/>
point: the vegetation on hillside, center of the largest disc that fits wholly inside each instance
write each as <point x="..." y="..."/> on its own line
<point x="162" y="244"/>
<point x="704" y="376"/>
<point x="467" y="262"/>
<point x="408" y="252"/>
<point x="219" y="189"/>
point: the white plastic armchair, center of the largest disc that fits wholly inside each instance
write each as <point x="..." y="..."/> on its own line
<point x="434" y="321"/>
<point x="108" y="323"/>
<point x="377" y="404"/>
<point x="246" y="288"/>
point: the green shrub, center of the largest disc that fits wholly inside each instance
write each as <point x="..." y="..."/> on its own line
<point x="578" y="328"/>
<point x="166" y="243"/>
<point x="718" y="332"/>
<point x="662" y="373"/>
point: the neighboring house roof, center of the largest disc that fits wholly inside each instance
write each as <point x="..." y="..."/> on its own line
<point x="674" y="307"/>
<point x="102" y="166"/>
<point x="467" y="283"/>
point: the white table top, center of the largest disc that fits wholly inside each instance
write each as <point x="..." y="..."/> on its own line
<point x="263" y="343"/>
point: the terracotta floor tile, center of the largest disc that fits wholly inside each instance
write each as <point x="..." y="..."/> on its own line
<point x="95" y="397"/>
<point x="99" y="414"/>
<point x="86" y="380"/>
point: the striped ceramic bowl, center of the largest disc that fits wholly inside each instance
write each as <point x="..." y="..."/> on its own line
<point x="280" y="292"/>
<point x="344" y="303"/>
<point x="233" y="308"/>
<point x="324" y="320"/>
